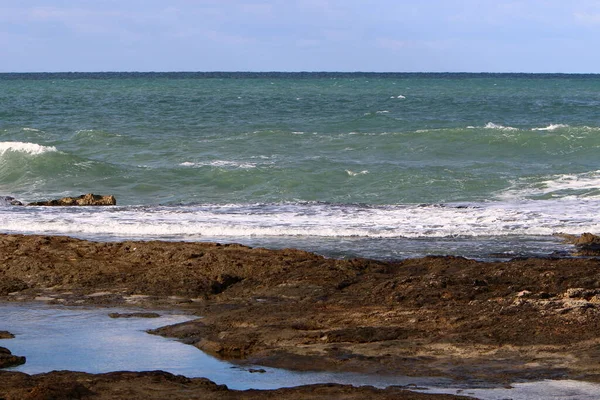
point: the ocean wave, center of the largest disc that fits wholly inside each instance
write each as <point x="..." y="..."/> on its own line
<point x="352" y="173"/>
<point x="220" y="164"/>
<point x="25" y="147"/>
<point x="551" y="127"/>
<point x="529" y="218"/>
<point x="491" y="125"/>
<point x="582" y="185"/>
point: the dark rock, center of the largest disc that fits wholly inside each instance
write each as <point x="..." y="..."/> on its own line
<point x="7" y="359"/>
<point x="223" y="282"/>
<point x="59" y="391"/>
<point x="587" y="244"/>
<point x="257" y="371"/>
<point x="9" y="201"/>
<point x="83" y="200"/>
<point x="10" y="285"/>
<point x="365" y="334"/>
<point x="134" y="315"/>
<point x="6" y="335"/>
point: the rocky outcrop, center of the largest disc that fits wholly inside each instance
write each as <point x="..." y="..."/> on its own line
<point x="587" y="244"/>
<point x="9" y="201"/>
<point x="7" y="359"/>
<point x="6" y="335"/>
<point x="158" y="385"/>
<point x="83" y="200"/>
<point x="530" y="319"/>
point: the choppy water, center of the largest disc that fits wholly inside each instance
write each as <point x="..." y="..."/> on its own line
<point x="382" y="165"/>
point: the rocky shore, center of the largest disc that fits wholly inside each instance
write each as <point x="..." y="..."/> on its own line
<point x="495" y="322"/>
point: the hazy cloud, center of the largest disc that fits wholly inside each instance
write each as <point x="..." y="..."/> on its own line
<point x="385" y="35"/>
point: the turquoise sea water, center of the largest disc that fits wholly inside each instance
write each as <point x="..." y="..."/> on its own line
<point x="378" y="165"/>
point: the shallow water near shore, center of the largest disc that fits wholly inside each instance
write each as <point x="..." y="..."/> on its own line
<point x="88" y="340"/>
<point x="381" y="166"/>
<point x="84" y="339"/>
<point x="338" y="231"/>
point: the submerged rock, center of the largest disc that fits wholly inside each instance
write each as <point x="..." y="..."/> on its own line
<point x="7" y="359"/>
<point x="134" y="315"/>
<point x="83" y="200"/>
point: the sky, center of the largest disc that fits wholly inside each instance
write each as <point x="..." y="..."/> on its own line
<point x="560" y="36"/>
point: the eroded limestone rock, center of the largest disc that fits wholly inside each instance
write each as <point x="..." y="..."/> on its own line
<point x="83" y="200"/>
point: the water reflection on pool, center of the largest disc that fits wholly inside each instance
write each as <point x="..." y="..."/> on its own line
<point x="86" y="339"/>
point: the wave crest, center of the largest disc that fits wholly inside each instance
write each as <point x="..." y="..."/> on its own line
<point x="551" y="127"/>
<point x="491" y="125"/>
<point x="25" y="147"/>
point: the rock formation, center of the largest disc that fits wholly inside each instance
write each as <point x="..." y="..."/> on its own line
<point x="83" y="200"/>
<point x="9" y="201"/>
<point x="587" y="244"/>
<point x="7" y="359"/>
<point x="6" y="335"/>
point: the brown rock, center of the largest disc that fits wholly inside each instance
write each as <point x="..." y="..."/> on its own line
<point x="10" y="285"/>
<point x="155" y="385"/>
<point x="587" y="244"/>
<point x="6" y="335"/>
<point x="7" y="359"/>
<point x="435" y="316"/>
<point x="83" y="200"/>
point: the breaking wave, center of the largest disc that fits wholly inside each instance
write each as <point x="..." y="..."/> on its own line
<point x="25" y="147"/>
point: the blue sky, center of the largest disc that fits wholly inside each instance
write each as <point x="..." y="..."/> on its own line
<point x="300" y="35"/>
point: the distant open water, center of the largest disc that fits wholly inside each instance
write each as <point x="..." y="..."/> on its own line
<point x="376" y="165"/>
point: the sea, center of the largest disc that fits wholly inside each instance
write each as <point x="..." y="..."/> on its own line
<point x="380" y="165"/>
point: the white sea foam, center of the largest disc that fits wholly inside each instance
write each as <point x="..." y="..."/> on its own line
<point x="382" y="112"/>
<point x="551" y="127"/>
<point x="352" y="173"/>
<point x="220" y="164"/>
<point x="31" y="130"/>
<point x="537" y="218"/>
<point x="491" y="125"/>
<point x="25" y="147"/>
<point x="586" y="185"/>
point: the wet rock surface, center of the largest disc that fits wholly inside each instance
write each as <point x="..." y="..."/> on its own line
<point x="6" y="335"/>
<point x="524" y="319"/>
<point x="9" y="201"/>
<point x="586" y="244"/>
<point x="160" y="385"/>
<point x="83" y="200"/>
<point x="7" y="359"/>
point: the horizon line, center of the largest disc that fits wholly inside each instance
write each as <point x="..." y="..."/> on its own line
<point x="297" y="72"/>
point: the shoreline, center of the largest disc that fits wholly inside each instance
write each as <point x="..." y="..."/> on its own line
<point x="486" y="322"/>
